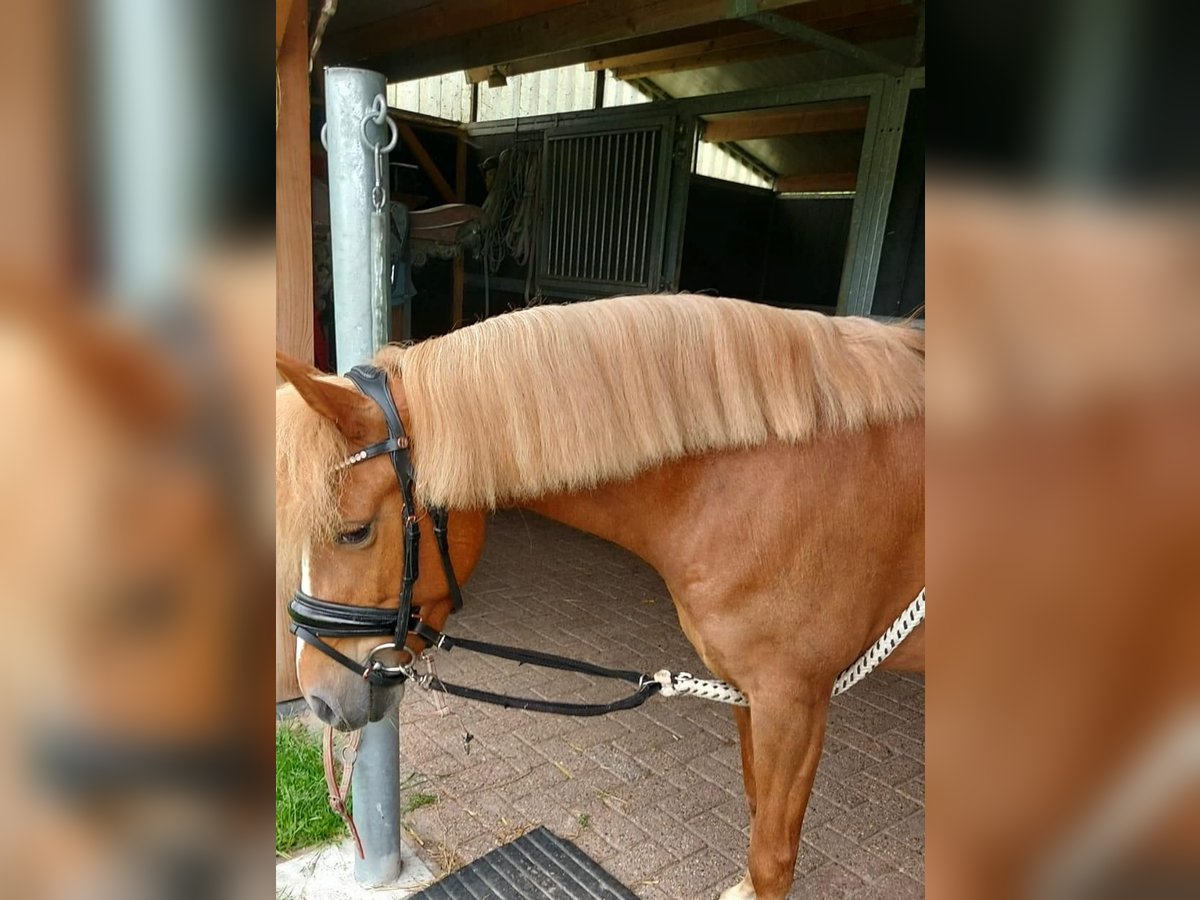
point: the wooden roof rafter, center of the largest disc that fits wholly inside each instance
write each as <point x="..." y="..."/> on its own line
<point x="889" y="18"/>
<point x="756" y="45"/>
<point x="435" y="38"/>
<point x="820" y="118"/>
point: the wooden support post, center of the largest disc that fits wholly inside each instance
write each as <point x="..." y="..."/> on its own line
<point x="873" y="195"/>
<point x="293" y="257"/>
<point x="460" y="274"/>
<point x="426" y="161"/>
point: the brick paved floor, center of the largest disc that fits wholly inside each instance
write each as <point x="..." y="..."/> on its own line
<point x="654" y="794"/>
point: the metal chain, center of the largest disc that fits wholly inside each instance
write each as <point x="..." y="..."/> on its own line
<point x="378" y="114"/>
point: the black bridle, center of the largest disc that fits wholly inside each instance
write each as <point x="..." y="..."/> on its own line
<point x="313" y="618"/>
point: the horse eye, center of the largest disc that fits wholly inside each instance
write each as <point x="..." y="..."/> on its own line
<point x="357" y="536"/>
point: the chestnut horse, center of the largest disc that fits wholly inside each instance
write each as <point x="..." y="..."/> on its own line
<point x="768" y="463"/>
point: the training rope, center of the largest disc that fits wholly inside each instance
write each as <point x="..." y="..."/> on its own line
<point x="510" y="209"/>
<point x="682" y="684"/>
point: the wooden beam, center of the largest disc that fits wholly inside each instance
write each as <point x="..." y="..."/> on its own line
<point x="402" y="50"/>
<point x="829" y="14"/>
<point x="428" y="166"/>
<point x="813" y="119"/>
<point x="768" y="46"/>
<point x="747" y="47"/>
<point x="725" y="42"/>
<point x="594" y="56"/>
<point x="460" y="190"/>
<point x="806" y="34"/>
<point x="432" y="21"/>
<point x="823" y="182"/>
<point x="425" y="121"/>
<point x="293" y="258"/>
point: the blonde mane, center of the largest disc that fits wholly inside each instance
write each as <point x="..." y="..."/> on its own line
<point x="563" y="398"/>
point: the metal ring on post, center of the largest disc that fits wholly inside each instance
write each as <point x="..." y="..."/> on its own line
<point x="379" y="108"/>
<point x="324" y="142"/>
<point x="372" y="145"/>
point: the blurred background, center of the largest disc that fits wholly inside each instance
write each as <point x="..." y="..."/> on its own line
<point x="1063" y="257"/>
<point x="136" y="300"/>
<point x="136" y="389"/>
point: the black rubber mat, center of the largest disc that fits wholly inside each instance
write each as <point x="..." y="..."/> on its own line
<point x="536" y="866"/>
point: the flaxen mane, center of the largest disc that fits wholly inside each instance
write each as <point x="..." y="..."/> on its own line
<point x="557" y="398"/>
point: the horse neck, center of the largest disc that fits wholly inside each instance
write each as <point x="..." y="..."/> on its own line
<point x="631" y="514"/>
<point x="693" y="513"/>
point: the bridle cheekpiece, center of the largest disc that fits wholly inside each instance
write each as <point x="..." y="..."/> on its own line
<point x="314" y="618"/>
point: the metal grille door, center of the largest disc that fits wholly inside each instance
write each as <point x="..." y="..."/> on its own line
<point x="604" y="209"/>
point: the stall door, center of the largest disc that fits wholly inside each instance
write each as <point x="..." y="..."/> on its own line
<point x="604" y="210"/>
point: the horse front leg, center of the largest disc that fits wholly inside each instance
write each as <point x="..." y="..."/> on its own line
<point x="741" y="716"/>
<point x="786" y="731"/>
<point x="744" y="890"/>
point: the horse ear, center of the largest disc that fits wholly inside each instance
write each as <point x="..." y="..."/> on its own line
<point x="352" y="412"/>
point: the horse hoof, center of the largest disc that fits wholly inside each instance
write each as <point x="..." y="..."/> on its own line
<point x="743" y="890"/>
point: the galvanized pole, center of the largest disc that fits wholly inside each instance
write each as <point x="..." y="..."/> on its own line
<point x="358" y="210"/>
<point x="357" y="142"/>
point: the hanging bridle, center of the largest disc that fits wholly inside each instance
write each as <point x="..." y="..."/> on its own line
<point x="313" y="618"/>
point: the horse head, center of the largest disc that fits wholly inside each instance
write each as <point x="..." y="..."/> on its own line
<point x="342" y="524"/>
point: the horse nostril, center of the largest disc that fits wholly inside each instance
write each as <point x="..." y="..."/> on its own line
<point x="323" y="710"/>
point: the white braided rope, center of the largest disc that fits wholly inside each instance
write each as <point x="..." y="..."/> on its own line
<point x="913" y="615"/>
<point x="679" y="684"/>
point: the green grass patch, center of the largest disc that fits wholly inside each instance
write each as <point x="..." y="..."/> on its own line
<point x="302" y="813"/>
<point x="417" y="800"/>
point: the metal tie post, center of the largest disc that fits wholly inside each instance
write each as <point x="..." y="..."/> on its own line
<point x="358" y="231"/>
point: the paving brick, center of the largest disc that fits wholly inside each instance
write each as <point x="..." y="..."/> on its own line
<point x="694" y="877"/>
<point x="721" y="837"/>
<point x="828" y="882"/>
<point x="911" y="831"/>
<point x="896" y="770"/>
<point x="862" y="821"/>
<point x="679" y="841"/>
<point x="892" y="886"/>
<point x="876" y="749"/>
<point x="639" y="862"/>
<point x="654" y="793"/>
<point x="914" y="788"/>
<point x="735" y="811"/>
<point x="693" y="801"/>
<point x="899" y="854"/>
<point x="839" y="766"/>
<point x="535" y="780"/>
<point x="593" y="844"/>
<point x="838" y="792"/>
<point x="847" y="853"/>
<point x="613" y="759"/>
<point x="619" y="830"/>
